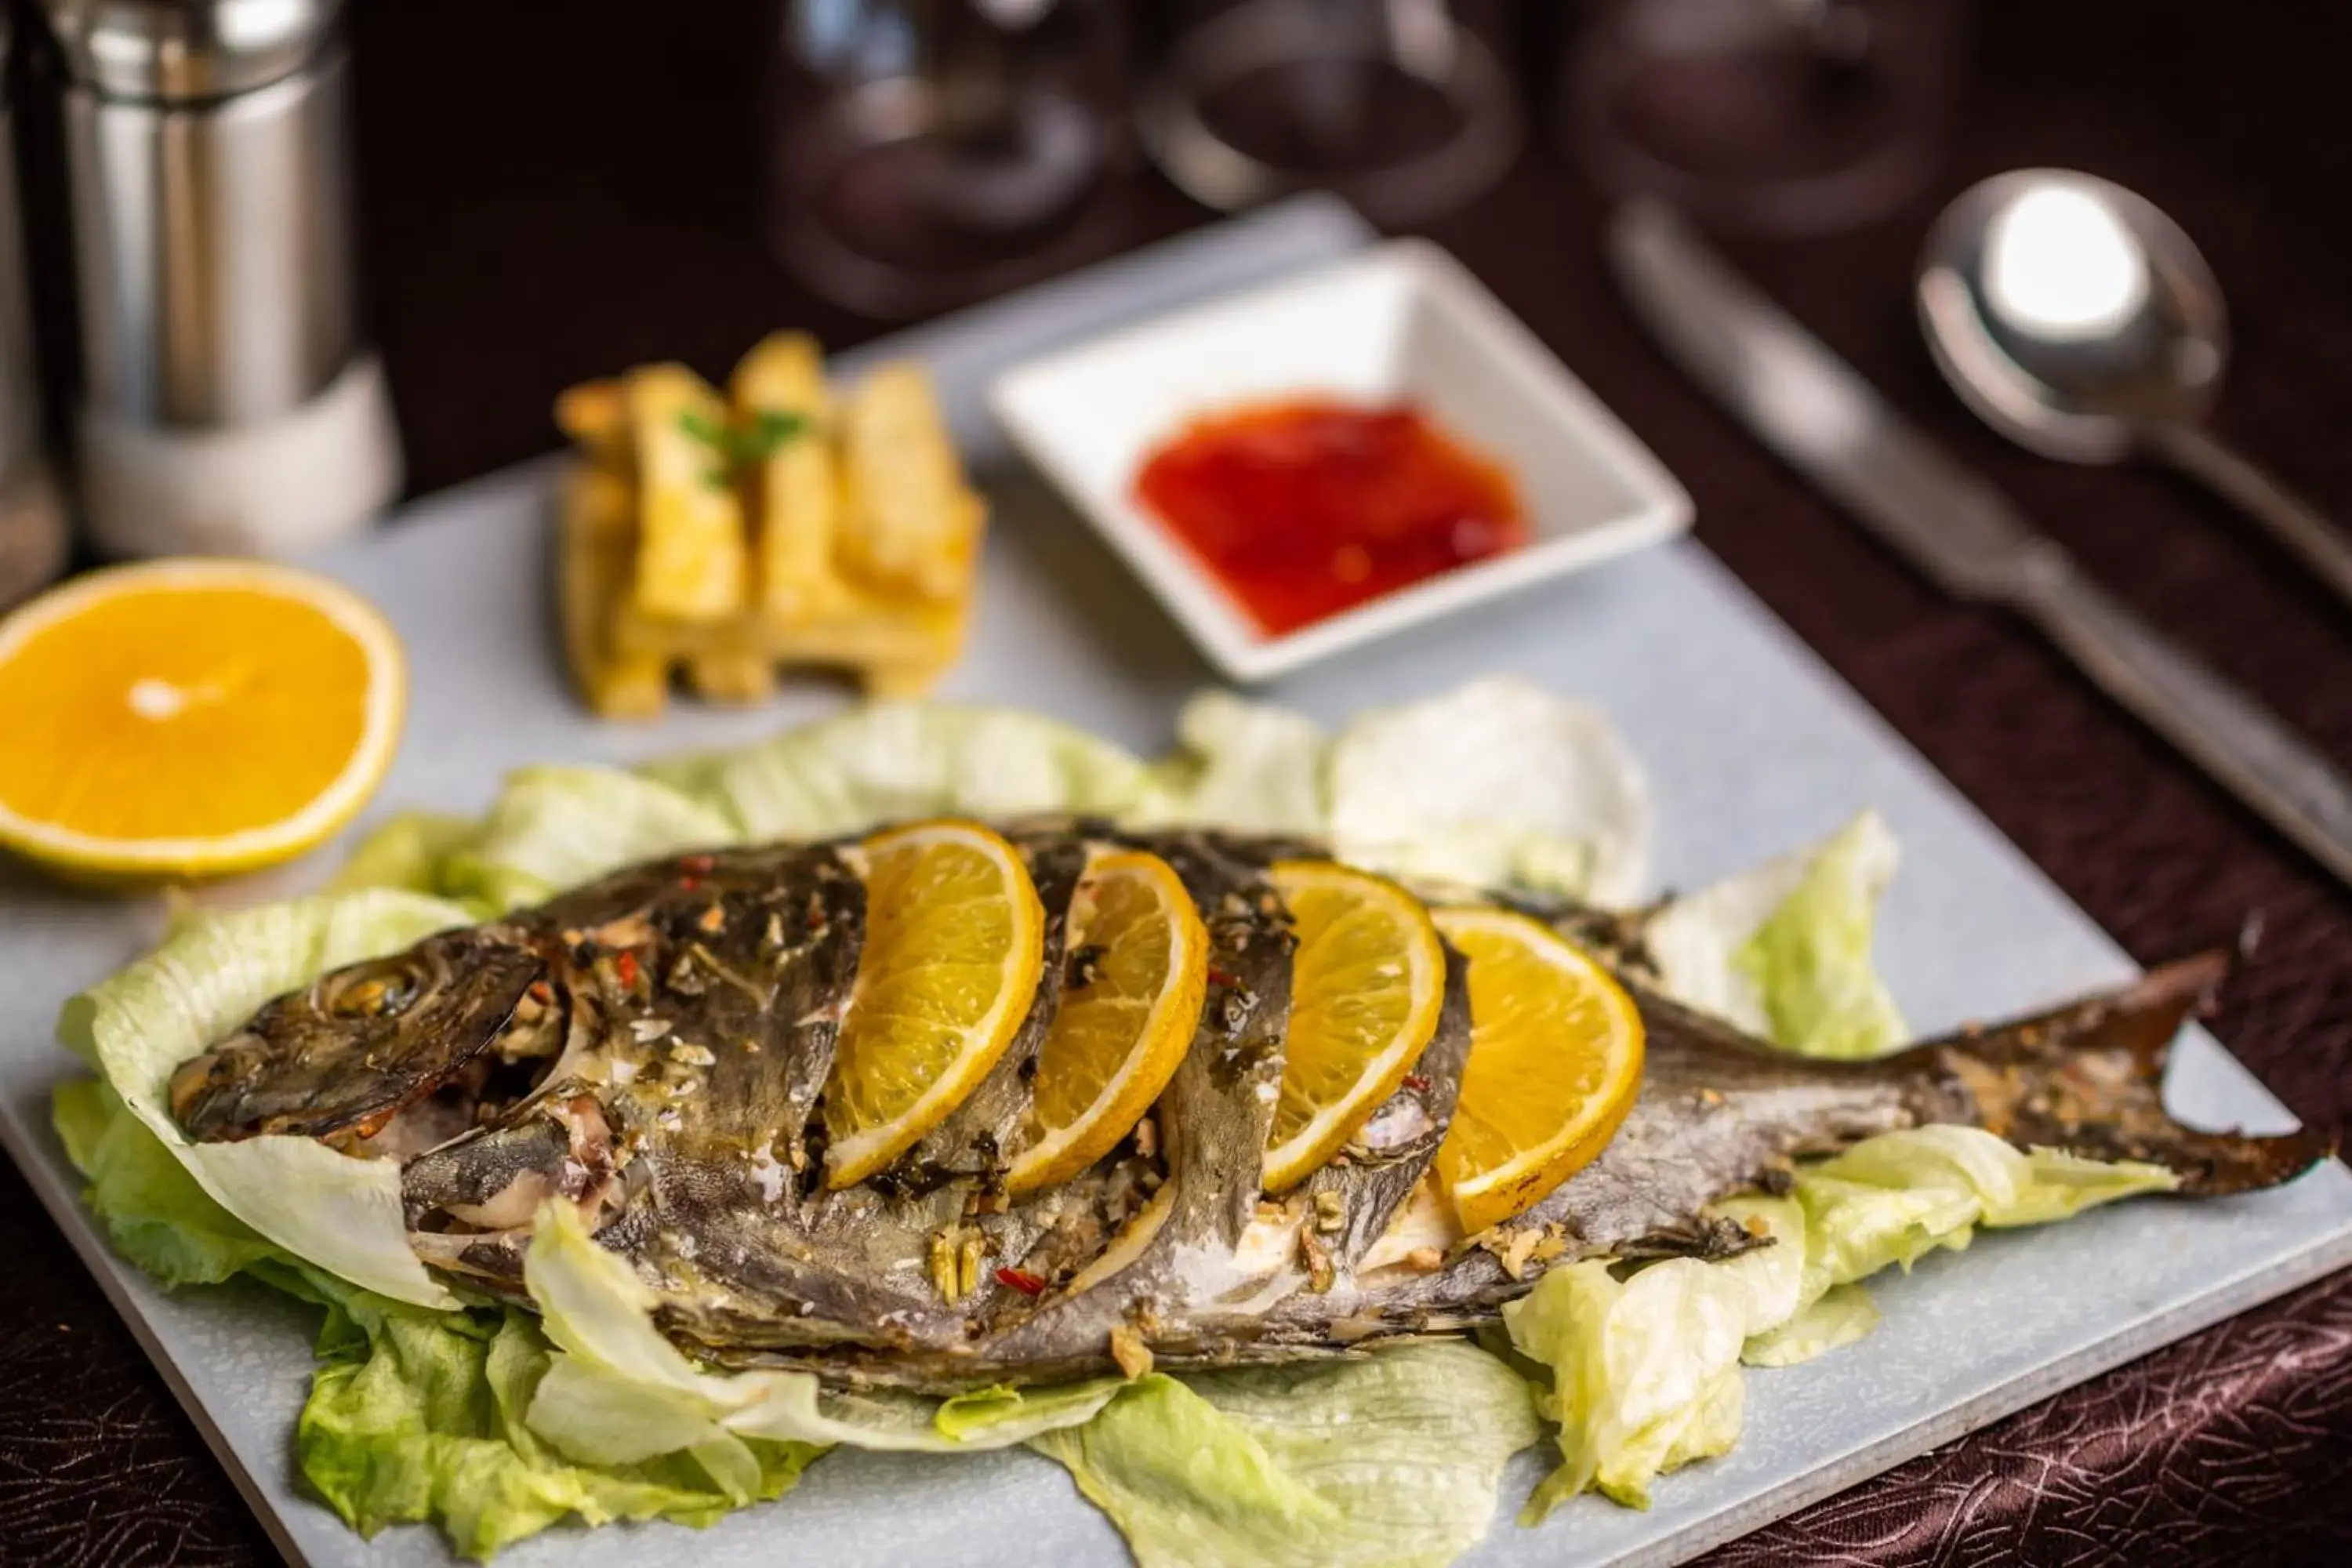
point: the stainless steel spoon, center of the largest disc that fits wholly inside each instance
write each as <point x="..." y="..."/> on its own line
<point x="2081" y="322"/>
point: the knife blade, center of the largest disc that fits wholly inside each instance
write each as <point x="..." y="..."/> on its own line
<point x="1820" y="417"/>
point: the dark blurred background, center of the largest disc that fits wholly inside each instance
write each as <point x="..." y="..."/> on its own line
<point x="547" y="192"/>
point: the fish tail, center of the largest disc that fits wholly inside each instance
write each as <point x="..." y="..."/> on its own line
<point x="2088" y="1078"/>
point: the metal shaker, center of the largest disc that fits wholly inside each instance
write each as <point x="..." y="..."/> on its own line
<point x="32" y="518"/>
<point x="229" y="404"/>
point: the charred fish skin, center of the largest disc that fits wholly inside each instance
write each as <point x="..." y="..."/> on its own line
<point x="1395" y="1147"/>
<point x="724" y="1048"/>
<point x="908" y="1262"/>
<point x="346" y="1054"/>
<point x="1104" y="1261"/>
<point x="941" y="1203"/>
<point x="703" y="995"/>
<point x="1719" y="1115"/>
<point x="1213" y="1119"/>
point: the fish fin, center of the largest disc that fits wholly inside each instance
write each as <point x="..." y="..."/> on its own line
<point x="1708" y="1238"/>
<point x="2088" y="1078"/>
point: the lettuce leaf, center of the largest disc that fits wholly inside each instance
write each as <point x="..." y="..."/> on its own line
<point x="888" y="761"/>
<point x="2060" y="1186"/>
<point x="1495" y="784"/>
<point x="152" y="1208"/>
<point x="1645" y="1371"/>
<point x="1895" y="1198"/>
<point x="1775" y="1276"/>
<point x="419" y="1416"/>
<point x="209" y="975"/>
<point x="553" y="829"/>
<point x="1250" y="767"/>
<point x="622" y="1394"/>
<point x="1394" y="1460"/>
<point x="1843" y="1316"/>
<point x="410" y="852"/>
<point x="1029" y="1411"/>
<point x="1784" y="951"/>
<point x="413" y="1415"/>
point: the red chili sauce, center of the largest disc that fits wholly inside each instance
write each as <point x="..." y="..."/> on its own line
<point x="1309" y="506"/>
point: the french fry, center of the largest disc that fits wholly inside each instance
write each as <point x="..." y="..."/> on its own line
<point x="595" y="415"/>
<point x="896" y="682"/>
<point x="596" y="551"/>
<point x="910" y="525"/>
<point x="740" y="676"/>
<point x="690" y="548"/>
<point x="795" y="494"/>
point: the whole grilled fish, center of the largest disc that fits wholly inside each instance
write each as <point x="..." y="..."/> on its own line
<point x="653" y="1048"/>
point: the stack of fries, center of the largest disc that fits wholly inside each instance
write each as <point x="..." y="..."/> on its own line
<point x="779" y="525"/>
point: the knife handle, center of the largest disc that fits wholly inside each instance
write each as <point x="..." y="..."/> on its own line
<point x="2237" y="740"/>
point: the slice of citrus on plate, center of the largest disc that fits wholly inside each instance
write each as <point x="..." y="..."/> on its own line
<point x="1138" y="967"/>
<point x="190" y="717"/>
<point x="954" y="936"/>
<point x="1366" y="987"/>
<point x="1555" y="1062"/>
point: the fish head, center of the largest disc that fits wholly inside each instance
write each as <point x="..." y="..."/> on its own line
<point x="347" y="1053"/>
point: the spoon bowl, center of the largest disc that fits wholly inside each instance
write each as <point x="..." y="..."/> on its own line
<point x="2082" y="323"/>
<point x="2070" y="314"/>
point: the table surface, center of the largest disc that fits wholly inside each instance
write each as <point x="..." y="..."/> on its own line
<point x="543" y="204"/>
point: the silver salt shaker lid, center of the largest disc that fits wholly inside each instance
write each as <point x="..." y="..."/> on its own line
<point x="171" y="51"/>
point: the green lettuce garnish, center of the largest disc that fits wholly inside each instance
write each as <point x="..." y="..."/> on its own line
<point x="415" y="1415"/>
<point x="1498" y="784"/>
<point x="152" y="1208"/>
<point x="418" y="1417"/>
<point x="1250" y="767"/>
<point x="1784" y="951"/>
<point x="1845" y="1314"/>
<point x="1645" y="1371"/>
<point x="622" y="1393"/>
<point x="1396" y="1459"/>
<point x="409" y="852"/>
<point x="1495" y="784"/>
<point x="553" y="828"/>
<point x="890" y="760"/>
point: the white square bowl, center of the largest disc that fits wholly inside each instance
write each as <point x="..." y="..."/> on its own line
<point x="1402" y="321"/>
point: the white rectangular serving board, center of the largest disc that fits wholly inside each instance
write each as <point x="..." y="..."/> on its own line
<point x="1750" y="744"/>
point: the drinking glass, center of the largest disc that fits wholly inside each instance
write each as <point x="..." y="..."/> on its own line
<point x="930" y="152"/>
<point x="1765" y="116"/>
<point x="1395" y="104"/>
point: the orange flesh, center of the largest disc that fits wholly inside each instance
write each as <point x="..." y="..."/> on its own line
<point x="179" y="713"/>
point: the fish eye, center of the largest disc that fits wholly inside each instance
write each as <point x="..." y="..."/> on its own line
<point x="374" y="993"/>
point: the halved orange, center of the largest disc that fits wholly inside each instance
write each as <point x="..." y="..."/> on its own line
<point x="1367" y="984"/>
<point x="1138" y="967"/>
<point x="1555" y="1064"/>
<point x="954" y="937"/>
<point x="192" y="718"/>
